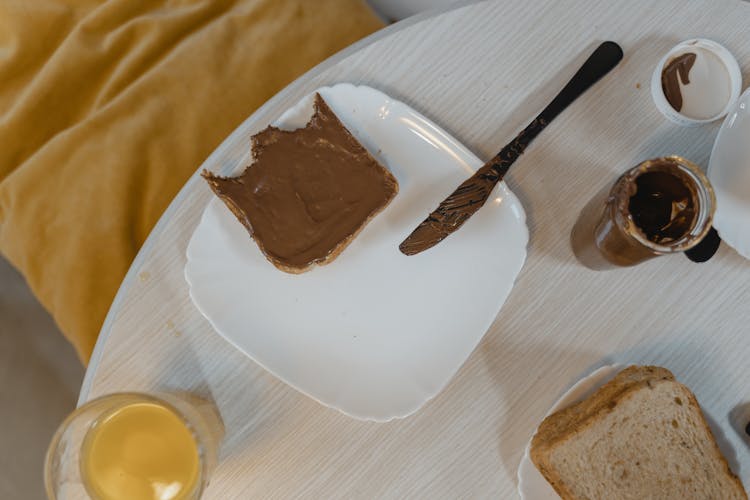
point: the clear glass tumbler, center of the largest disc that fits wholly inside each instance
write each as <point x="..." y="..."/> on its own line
<point x="134" y="445"/>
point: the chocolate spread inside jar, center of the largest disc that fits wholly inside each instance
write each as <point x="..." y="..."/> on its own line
<point x="659" y="207"/>
<point x="663" y="207"/>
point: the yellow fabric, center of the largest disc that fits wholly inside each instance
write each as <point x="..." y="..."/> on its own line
<point x="106" y="108"/>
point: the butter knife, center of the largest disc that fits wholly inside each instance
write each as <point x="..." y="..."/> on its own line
<point x="473" y="192"/>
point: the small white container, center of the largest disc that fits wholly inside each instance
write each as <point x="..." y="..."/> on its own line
<point x="716" y="71"/>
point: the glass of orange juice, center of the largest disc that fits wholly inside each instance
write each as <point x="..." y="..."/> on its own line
<point x="135" y="446"/>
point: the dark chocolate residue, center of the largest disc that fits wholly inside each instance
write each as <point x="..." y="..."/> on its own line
<point x="662" y="207"/>
<point x="678" y="69"/>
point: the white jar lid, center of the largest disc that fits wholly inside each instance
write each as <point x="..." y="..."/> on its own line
<point x="712" y="86"/>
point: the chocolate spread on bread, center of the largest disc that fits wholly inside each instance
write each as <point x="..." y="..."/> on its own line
<point x="308" y="191"/>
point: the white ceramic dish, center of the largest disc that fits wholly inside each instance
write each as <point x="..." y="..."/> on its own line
<point x="729" y="173"/>
<point x="531" y="483"/>
<point x="374" y="334"/>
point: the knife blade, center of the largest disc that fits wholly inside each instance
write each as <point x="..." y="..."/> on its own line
<point x="471" y="195"/>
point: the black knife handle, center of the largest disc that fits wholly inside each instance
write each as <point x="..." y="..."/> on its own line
<point x="599" y="63"/>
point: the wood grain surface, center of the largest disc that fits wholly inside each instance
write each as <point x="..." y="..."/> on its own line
<point x="481" y="71"/>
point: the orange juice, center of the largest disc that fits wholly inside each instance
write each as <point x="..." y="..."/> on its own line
<point x="141" y="450"/>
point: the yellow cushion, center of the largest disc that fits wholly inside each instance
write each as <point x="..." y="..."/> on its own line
<point x="106" y="108"/>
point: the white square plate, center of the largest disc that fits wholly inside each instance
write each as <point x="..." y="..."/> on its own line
<point x="374" y="334"/>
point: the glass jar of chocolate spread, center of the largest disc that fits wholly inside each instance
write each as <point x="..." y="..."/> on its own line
<point x="661" y="206"/>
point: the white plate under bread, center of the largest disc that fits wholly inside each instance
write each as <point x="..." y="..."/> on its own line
<point x="375" y="333"/>
<point x="531" y="483"/>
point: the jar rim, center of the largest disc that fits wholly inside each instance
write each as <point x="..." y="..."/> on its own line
<point x="701" y="186"/>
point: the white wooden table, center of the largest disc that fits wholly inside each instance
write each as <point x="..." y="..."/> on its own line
<point x="481" y="71"/>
